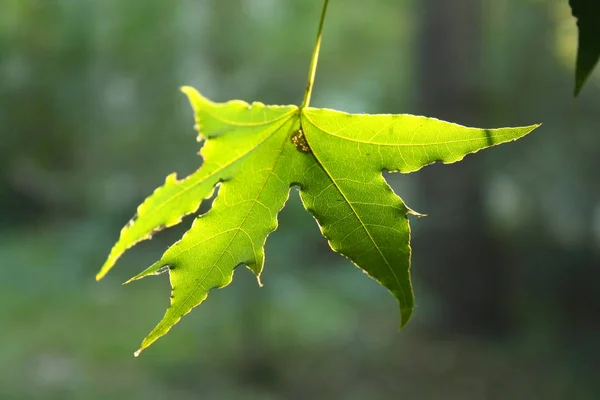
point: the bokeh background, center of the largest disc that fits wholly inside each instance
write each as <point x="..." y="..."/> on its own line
<point x="506" y="265"/>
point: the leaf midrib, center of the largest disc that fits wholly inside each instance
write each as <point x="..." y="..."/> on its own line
<point x="221" y="169"/>
<point x="251" y="124"/>
<point x="313" y="123"/>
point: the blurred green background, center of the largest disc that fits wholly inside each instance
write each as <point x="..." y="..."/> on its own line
<point x="506" y="265"/>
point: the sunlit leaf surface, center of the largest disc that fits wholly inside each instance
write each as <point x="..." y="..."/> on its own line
<point x="255" y="153"/>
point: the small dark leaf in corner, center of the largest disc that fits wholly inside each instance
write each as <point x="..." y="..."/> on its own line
<point x="587" y="13"/>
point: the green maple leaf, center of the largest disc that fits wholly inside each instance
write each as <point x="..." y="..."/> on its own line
<point x="587" y="13"/>
<point x="256" y="153"/>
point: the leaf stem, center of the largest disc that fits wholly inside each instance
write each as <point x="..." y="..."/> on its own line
<point x="315" y="59"/>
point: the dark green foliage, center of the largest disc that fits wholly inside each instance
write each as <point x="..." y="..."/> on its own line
<point x="587" y="13"/>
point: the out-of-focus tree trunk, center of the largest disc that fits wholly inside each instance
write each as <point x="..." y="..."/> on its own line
<point x="456" y="257"/>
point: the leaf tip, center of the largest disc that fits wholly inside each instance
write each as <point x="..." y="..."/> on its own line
<point x="154" y="269"/>
<point x="128" y="281"/>
<point x="405" y="315"/>
<point x="138" y="352"/>
<point x="103" y="271"/>
<point x="417" y="214"/>
<point x="187" y="90"/>
<point x="257" y="271"/>
<point x="582" y="74"/>
<point x="531" y="128"/>
<point x="193" y="96"/>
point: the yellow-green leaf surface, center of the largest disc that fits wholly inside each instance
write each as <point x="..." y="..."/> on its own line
<point x="255" y="154"/>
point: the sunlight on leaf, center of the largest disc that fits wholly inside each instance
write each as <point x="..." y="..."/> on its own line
<point x="256" y="153"/>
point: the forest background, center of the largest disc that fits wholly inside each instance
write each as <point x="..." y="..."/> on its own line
<point x="506" y="265"/>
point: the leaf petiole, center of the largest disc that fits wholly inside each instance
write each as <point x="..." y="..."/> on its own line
<point x="315" y="58"/>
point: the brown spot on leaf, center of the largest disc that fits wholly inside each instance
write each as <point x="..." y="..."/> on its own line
<point x="299" y="141"/>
